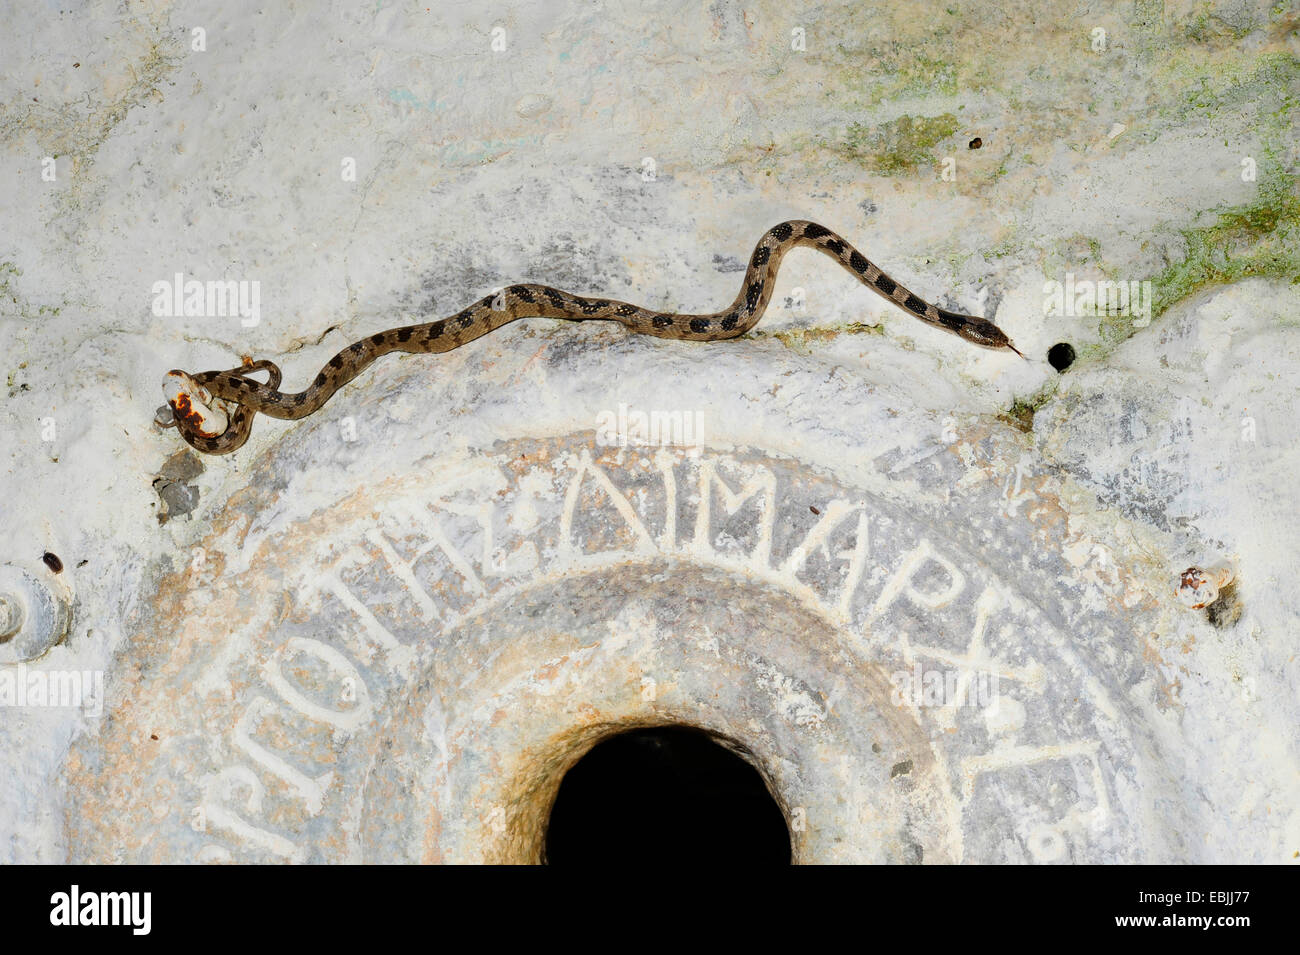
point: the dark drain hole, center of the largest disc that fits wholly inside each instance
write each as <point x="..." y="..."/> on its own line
<point x="667" y="795"/>
<point x="1061" y="356"/>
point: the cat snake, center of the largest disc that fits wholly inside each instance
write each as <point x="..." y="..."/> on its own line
<point x="208" y="428"/>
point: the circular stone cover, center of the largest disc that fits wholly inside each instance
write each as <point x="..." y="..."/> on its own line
<point x="395" y="641"/>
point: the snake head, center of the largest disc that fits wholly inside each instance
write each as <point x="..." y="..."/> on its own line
<point x="980" y="331"/>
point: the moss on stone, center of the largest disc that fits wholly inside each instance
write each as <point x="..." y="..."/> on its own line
<point x="926" y="76"/>
<point x="1021" y="413"/>
<point x="7" y="271"/>
<point x="13" y="302"/>
<point x="1258" y="239"/>
<point x="900" y="144"/>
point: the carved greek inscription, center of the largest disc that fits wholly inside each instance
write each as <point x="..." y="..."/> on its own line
<point x="444" y="553"/>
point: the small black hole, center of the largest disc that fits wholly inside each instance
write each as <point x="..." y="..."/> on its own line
<point x="1060" y="356"/>
<point x="668" y="795"/>
<point x="975" y="143"/>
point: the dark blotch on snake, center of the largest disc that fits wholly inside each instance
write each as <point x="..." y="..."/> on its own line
<point x="320" y="380"/>
<point x="814" y="231"/>
<point x="523" y="292"/>
<point x="782" y="232"/>
<point x="377" y="338"/>
<point x="699" y="325"/>
<point x="404" y="335"/>
<point x="858" y="261"/>
<point x="752" y="294"/>
<point x="914" y="304"/>
<point x="885" y="284"/>
<point x="436" y="329"/>
<point x="730" y="322"/>
<point x="662" y="321"/>
<point x="951" y="319"/>
<point x="761" y="255"/>
<point x="836" y="246"/>
<point x="336" y="361"/>
<point x="627" y="310"/>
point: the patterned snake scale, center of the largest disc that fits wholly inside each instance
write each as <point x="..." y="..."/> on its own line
<point x="526" y="301"/>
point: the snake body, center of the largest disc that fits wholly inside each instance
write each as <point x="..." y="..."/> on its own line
<point x="525" y="301"/>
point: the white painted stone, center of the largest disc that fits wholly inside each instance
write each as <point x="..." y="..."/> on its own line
<point x="382" y="633"/>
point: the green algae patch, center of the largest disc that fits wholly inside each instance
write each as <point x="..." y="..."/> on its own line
<point x="900" y="144"/>
<point x="1258" y="240"/>
<point x="926" y="76"/>
<point x="1021" y="413"/>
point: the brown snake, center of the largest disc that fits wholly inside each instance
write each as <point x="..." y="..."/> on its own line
<point x="527" y="301"/>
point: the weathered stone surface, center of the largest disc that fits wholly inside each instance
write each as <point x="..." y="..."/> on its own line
<point x="385" y="632"/>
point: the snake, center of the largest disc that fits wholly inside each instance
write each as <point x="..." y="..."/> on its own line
<point x="251" y="397"/>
